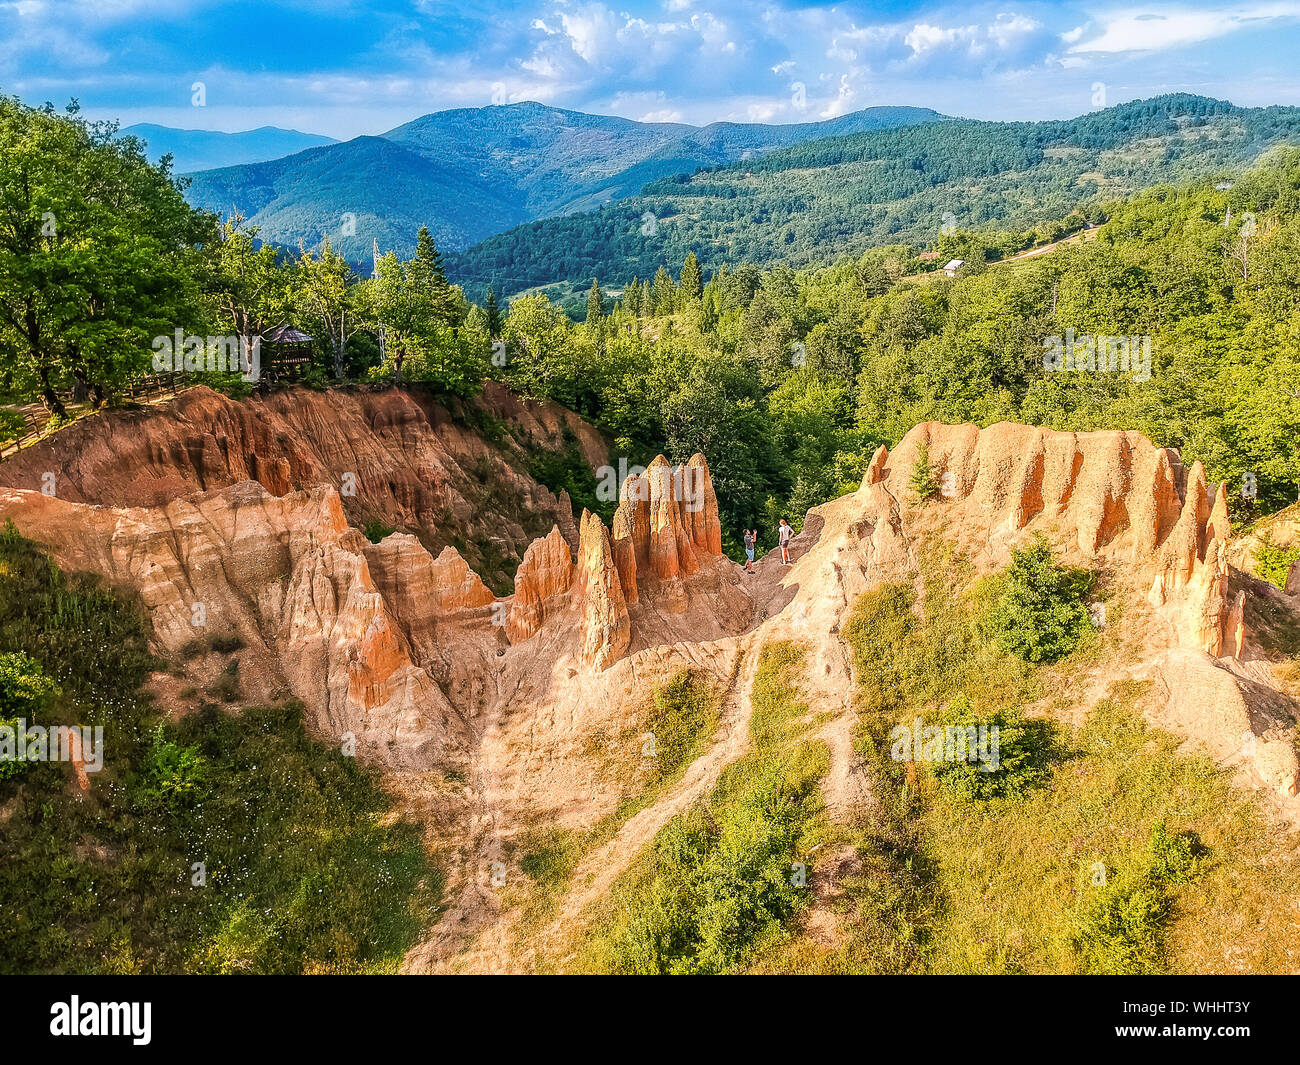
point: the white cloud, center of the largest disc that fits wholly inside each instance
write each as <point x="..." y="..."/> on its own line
<point x="1006" y="35"/>
<point x="924" y="37"/>
<point x="1157" y="29"/>
<point x="844" y="101"/>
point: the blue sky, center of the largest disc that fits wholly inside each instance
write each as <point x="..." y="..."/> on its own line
<point x="342" y="67"/>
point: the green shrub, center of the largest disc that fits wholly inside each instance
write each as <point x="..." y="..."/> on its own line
<point x="1021" y="750"/>
<point x="25" y="691"/>
<point x="568" y="471"/>
<point x="922" y="480"/>
<point x="314" y="378"/>
<point x="377" y="530"/>
<point x="1121" y="927"/>
<point x="1172" y="857"/>
<point x="1041" y="615"/>
<point x="228" y="384"/>
<point x="1273" y="563"/>
<point x="13" y="426"/>
<point x="226" y="686"/>
<point x="173" y="776"/>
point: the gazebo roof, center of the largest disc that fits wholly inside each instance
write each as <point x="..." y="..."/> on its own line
<point x="286" y="334"/>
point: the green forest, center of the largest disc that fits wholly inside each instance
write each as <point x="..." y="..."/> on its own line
<point x="788" y="380"/>
<point x="785" y="379"/>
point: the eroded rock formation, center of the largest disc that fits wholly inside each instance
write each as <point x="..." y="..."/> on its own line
<point x="1115" y="492"/>
<point x="665" y="528"/>
<point x="292" y="579"/>
<point x="405" y="650"/>
<point x="397" y="456"/>
<point x="1110" y="500"/>
<point x="605" y="622"/>
<point x="541" y="585"/>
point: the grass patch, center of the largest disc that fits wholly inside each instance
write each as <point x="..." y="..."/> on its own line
<point x="1123" y="856"/>
<point x="778" y="704"/>
<point x="682" y="721"/>
<point x="1129" y="848"/>
<point x="720" y="883"/>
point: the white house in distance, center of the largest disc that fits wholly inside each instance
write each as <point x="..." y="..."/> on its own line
<point x="953" y="266"/>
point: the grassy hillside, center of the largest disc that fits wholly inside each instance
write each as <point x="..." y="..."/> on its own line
<point x="807" y="204"/>
<point x="219" y="842"/>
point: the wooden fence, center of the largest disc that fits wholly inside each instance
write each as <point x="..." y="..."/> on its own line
<point x="140" y="388"/>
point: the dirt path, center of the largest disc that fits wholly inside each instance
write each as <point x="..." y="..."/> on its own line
<point x="476" y="934"/>
<point x="601" y="868"/>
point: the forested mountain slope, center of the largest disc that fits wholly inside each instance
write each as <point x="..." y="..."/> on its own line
<point x="792" y="378"/>
<point x="809" y="203"/>
<point x="471" y="172"/>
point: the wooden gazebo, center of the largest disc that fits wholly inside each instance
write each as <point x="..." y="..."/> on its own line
<point x="286" y="351"/>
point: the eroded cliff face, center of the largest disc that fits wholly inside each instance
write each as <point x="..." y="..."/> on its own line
<point x="383" y="642"/>
<point x="396" y="456"/>
<point x="410" y="652"/>
<point x="293" y="580"/>
<point x="1106" y="496"/>
<point x="1114" y="502"/>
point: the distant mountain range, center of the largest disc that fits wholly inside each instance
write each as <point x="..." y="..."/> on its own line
<point x="815" y="201"/>
<point x="525" y="195"/>
<point x="204" y="149"/>
<point x="474" y="172"/>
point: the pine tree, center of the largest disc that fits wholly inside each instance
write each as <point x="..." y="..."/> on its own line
<point x="692" y="283"/>
<point x="665" y="292"/>
<point x="431" y="276"/>
<point x="492" y="310"/>
<point x="922" y="481"/>
<point x="595" y="303"/>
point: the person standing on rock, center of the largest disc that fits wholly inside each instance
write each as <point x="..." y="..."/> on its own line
<point x="751" y="538"/>
<point x="783" y="533"/>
